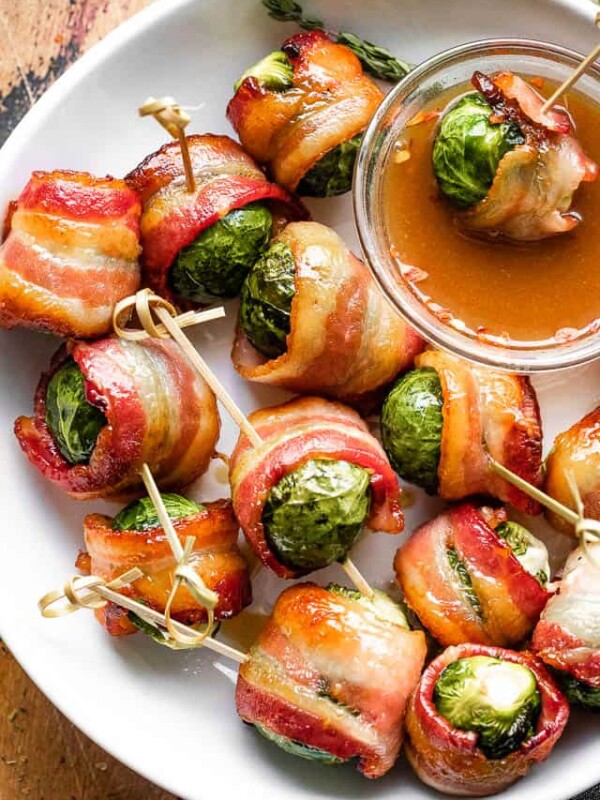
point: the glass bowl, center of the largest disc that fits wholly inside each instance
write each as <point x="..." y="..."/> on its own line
<point x="419" y="89"/>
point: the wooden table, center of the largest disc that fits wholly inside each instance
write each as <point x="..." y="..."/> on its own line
<point x="43" y="756"/>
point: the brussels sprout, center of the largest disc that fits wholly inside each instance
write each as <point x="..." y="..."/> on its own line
<point x="299" y="749"/>
<point x="498" y="700"/>
<point x="411" y="427"/>
<point x="527" y="548"/>
<point x="578" y="692"/>
<point x="462" y="573"/>
<point x="215" y="264"/>
<point x="332" y="174"/>
<point x="468" y="148"/>
<point x="266" y="300"/>
<point x="141" y="514"/>
<point x="314" y="515"/>
<point x="73" y="421"/>
<point x="273" y="72"/>
<point x="380" y="604"/>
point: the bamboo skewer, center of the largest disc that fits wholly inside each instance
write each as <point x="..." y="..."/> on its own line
<point x="174" y="120"/>
<point x="356" y="577"/>
<point x="574" y="77"/>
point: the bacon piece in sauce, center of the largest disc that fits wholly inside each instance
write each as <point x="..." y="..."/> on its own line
<point x="531" y="195"/>
<point x="499" y="602"/>
<point x="576" y="452"/>
<point x="568" y="635"/>
<point x="215" y="557"/>
<point x="159" y="411"/>
<point x="226" y="179"/>
<point x="293" y="433"/>
<point x="330" y="102"/>
<point x="449" y="760"/>
<point x="70" y="254"/>
<point x="345" y="339"/>
<point x="330" y="673"/>
<point x="486" y="413"/>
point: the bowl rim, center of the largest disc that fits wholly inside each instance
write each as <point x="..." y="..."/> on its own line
<point x="535" y="359"/>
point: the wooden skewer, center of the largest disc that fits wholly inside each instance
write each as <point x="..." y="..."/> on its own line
<point x="168" y="113"/>
<point x="573" y="78"/>
<point x="356" y="577"/>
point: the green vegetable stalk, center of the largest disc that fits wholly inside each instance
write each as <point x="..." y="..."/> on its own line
<point x="314" y="515"/>
<point x="273" y="72"/>
<point x="140" y="515"/>
<point x="332" y="174"/>
<point x="411" y="427"/>
<point x="73" y="421"/>
<point x="468" y="149"/>
<point x="266" y="300"/>
<point x="498" y="700"/>
<point x="527" y="548"/>
<point x="215" y="264"/>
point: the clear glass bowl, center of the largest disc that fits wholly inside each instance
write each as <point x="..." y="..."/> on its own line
<point x="419" y="88"/>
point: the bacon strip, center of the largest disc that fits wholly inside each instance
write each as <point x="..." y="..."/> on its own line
<point x="293" y="433"/>
<point x="70" y="254"/>
<point x="215" y="557"/>
<point x="509" y="599"/>
<point x="329" y="673"/>
<point x="330" y="102"/>
<point x="533" y="189"/>
<point x="226" y="178"/>
<point x="159" y="411"/>
<point x="345" y="341"/>
<point x="575" y="452"/>
<point x="449" y="760"/>
<point x="568" y="635"/>
<point x="486" y="413"/>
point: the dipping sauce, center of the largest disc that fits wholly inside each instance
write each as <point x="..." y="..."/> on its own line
<point x="495" y="290"/>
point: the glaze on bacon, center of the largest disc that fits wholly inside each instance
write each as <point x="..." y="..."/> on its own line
<point x="449" y="760"/>
<point x="226" y="179"/>
<point x="531" y="195"/>
<point x="345" y="339"/>
<point x="70" y="254"/>
<point x="575" y="452"/>
<point x="568" y="635"/>
<point x="215" y="557"/>
<point x="159" y="411"/>
<point x="330" y="102"/>
<point x="501" y="602"/>
<point x="486" y="413"/>
<point x="292" y="434"/>
<point x="328" y="672"/>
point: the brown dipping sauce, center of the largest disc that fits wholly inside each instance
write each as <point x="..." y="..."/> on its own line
<point x="529" y="292"/>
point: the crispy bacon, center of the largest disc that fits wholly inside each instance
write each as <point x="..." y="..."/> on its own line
<point x="568" y="635"/>
<point x="330" y="102"/>
<point x="501" y="602"/>
<point x="532" y="192"/>
<point x="226" y="178"/>
<point x="159" y="411"/>
<point x="293" y="433"/>
<point x="576" y="453"/>
<point x="329" y="673"/>
<point x="215" y="557"/>
<point x="70" y="254"/>
<point x="486" y="413"/>
<point x="346" y="341"/>
<point x="449" y="760"/>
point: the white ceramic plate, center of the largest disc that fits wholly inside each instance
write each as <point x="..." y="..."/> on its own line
<point x="171" y="716"/>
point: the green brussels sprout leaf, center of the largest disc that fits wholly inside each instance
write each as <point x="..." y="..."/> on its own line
<point x="215" y="264"/>
<point x="266" y="300"/>
<point x="298" y="749"/>
<point x="578" y="692"/>
<point x="332" y="174"/>
<point x="468" y="149"/>
<point x="314" y="515"/>
<point x="498" y="700"/>
<point x="274" y="73"/>
<point x="411" y="427"/>
<point x="73" y="421"/>
<point x="140" y="515"/>
<point x="462" y="573"/>
<point x="380" y="604"/>
<point x="530" y="551"/>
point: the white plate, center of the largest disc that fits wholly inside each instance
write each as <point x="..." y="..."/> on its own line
<point x="170" y="715"/>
